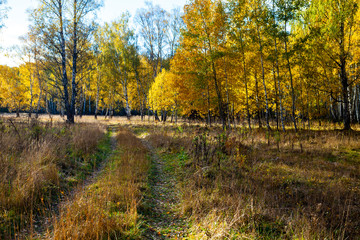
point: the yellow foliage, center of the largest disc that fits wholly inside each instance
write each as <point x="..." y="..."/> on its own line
<point x="12" y="88"/>
<point x="163" y="94"/>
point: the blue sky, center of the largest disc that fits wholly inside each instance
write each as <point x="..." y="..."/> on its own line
<point x="16" y="24"/>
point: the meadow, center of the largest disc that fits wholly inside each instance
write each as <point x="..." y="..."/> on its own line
<point x="115" y="178"/>
<point x="249" y="127"/>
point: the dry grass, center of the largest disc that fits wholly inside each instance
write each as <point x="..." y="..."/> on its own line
<point x="35" y="161"/>
<point x="107" y="209"/>
<point x="249" y="186"/>
<point x="244" y="185"/>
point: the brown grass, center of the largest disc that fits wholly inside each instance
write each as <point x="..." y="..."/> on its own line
<point x="35" y="160"/>
<point x="107" y="209"/>
<point x="244" y="185"/>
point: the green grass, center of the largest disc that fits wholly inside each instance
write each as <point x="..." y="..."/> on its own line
<point x="85" y="165"/>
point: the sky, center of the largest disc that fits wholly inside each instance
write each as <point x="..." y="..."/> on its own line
<point x="16" y="24"/>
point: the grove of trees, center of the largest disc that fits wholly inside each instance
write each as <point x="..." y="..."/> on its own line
<point x="272" y="63"/>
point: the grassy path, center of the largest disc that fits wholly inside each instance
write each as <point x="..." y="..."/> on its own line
<point x="44" y="224"/>
<point x="107" y="208"/>
<point x="160" y="204"/>
<point x="112" y="142"/>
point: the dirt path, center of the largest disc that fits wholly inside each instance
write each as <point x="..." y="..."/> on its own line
<point x="161" y="217"/>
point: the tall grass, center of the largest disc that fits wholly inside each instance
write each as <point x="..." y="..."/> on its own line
<point x="107" y="208"/>
<point x="36" y="161"/>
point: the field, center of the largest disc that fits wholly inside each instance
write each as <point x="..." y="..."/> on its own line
<point x="120" y="179"/>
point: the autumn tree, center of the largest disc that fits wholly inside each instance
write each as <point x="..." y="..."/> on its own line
<point x="335" y="25"/>
<point x="80" y="31"/>
<point x="120" y="56"/>
<point x="203" y="40"/>
<point x="163" y="94"/>
<point x="65" y="31"/>
<point x="12" y="89"/>
<point x="238" y="34"/>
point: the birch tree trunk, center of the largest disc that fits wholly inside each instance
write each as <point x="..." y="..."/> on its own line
<point x="291" y="81"/>
<point x="263" y="80"/>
